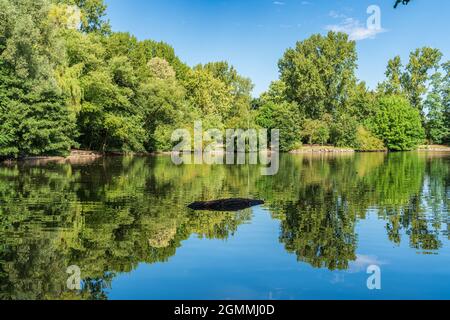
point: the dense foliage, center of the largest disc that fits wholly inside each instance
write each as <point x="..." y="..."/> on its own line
<point x="67" y="80"/>
<point x="397" y="123"/>
<point x="318" y="76"/>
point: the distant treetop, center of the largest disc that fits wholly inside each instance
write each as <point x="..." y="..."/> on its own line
<point x="404" y="2"/>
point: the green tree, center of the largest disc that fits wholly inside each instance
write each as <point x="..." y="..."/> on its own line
<point x="437" y="129"/>
<point x="397" y="123"/>
<point x="362" y="102"/>
<point x="161" y="102"/>
<point x="393" y="83"/>
<point x="34" y="118"/>
<point x="316" y="131"/>
<point x="93" y="14"/>
<point x="417" y="75"/>
<point x="161" y="69"/>
<point x="145" y="50"/>
<point x="319" y="74"/>
<point x="343" y="130"/>
<point x="275" y="94"/>
<point x="238" y="90"/>
<point x="283" y="117"/>
<point x="413" y="80"/>
<point x="209" y="98"/>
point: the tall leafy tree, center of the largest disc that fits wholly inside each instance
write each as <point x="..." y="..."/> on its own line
<point x="93" y="14"/>
<point x="319" y="73"/>
<point x="238" y="90"/>
<point x="413" y="81"/>
<point x="437" y="129"/>
<point x="34" y="118"/>
<point x="394" y="72"/>
<point x="418" y="74"/>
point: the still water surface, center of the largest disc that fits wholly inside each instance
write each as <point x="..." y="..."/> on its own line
<point x="124" y="222"/>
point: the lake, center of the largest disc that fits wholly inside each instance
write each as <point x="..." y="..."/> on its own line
<point x="124" y="222"/>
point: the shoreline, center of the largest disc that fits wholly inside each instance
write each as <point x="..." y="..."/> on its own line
<point x="323" y="150"/>
<point x="434" y="148"/>
<point x="85" y="156"/>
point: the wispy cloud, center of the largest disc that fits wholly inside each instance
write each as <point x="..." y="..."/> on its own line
<point x="279" y="3"/>
<point x="353" y="27"/>
<point x="336" y="15"/>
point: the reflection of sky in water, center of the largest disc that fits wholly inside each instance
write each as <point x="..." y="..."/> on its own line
<point x="254" y="265"/>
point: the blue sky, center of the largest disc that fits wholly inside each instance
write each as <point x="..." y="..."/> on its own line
<point x="253" y="34"/>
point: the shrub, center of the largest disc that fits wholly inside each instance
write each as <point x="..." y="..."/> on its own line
<point x="366" y="141"/>
<point x="343" y="131"/>
<point x="397" y="123"/>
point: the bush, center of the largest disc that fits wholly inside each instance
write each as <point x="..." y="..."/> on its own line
<point x="397" y="123"/>
<point x="344" y="131"/>
<point x="366" y="141"/>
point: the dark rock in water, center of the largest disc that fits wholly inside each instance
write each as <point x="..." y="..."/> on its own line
<point x="225" y="205"/>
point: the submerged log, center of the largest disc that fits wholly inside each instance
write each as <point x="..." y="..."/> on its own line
<point x="225" y="205"/>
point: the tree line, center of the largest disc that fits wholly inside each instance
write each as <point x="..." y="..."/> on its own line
<point x="67" y="81"/>
<point x="318" y="98"/>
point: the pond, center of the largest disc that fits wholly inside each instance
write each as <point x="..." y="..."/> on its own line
<point x="124" y="223"/>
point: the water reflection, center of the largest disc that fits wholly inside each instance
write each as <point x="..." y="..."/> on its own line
<point x="110" y="215"/>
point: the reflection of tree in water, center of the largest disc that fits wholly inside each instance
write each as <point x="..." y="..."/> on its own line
<point x="110" y="216"/>
<point x="105" y="218"/>
<point x="319" y="212"/>
<point x="31" y="270"/>
<point x="320" y="229"/>
<point x="422" y="208"/>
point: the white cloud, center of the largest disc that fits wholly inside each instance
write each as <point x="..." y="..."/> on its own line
<point x="355" y="29"/>
<point x="336" y="15"/>
<point x="279" y="3"/>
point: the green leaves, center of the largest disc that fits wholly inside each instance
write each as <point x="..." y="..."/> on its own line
<point x="316" y="131"/>
<point x="30" y="44"/>
<point x="438" y="127"/>
<point x="93" y="14"/>
<point x="366" y="141"/>
<point x="319" y="73"/>
<point x="284" y="117"/>
<point x="415" y="79"/>
<point x="398" y="124"/>
<point x="319" y="76"/>
<point x="421" y="83"/>
<point x="412" y="80"/>
<point x="32" y="123"/>
<point x="34" y="118"/>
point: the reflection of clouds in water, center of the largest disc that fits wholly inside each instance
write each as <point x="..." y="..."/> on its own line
<point x="362" y="262"/>
<point x="337" y="278"/>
